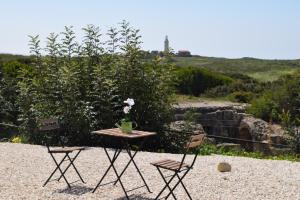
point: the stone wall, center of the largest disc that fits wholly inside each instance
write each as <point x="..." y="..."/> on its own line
<point x="231" y="121"/>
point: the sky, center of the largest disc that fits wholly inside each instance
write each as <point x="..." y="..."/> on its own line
<point x="268" y="29"/>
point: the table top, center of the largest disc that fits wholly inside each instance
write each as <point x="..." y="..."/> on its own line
<point x="116" y="132"/>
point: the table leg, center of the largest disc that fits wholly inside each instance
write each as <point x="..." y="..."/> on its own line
<point x="138" y="170"/>
<point x="125" y="168"/>
<point x="127" y="147"/>
<point x="118" y="177"/>
<point x="115" y="156"/>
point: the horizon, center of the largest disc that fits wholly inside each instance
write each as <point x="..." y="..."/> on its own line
<point x="231" y="29"/>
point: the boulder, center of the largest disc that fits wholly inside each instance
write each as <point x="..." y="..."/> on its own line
<point x="181" y="126"/>
<point x="208" y="140"/>
<point x="224" y="167"/>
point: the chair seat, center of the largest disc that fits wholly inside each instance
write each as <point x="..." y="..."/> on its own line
<point x="66" y="149"/>
<point x="170" y="164"/>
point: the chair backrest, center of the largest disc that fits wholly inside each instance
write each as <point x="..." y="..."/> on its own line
<point x="195" y="141"/>
<point x="50" y="124"/>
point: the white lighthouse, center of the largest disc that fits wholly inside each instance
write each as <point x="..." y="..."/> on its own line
<point x="167" y="48"/>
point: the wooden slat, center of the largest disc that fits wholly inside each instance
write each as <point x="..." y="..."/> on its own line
<point x="66" y="149"/>
<point x="161" y="162"/>
<point x="195" y="141"/>
<point x="116" y="132"/>
<point x="49" y="125"/>
<point x="197" y="137"/>
<point x="194" y="144"/>
<point x="169" y="164"/>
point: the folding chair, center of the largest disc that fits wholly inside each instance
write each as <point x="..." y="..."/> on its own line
<point x="51" y="126"/>
<point x="180" y="169"/>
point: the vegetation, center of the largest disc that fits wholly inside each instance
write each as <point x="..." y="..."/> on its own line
<point x="209" y="149"/>
<point x="85" y="83"/>
<point x="195" y="81"/>
<point x="242" y="89"/>
<point x="261" y="70"/>
<point x="284" y="94"/>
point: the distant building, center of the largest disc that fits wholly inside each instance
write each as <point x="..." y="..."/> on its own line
<point x="166" y="47"/>
<point x="167" y="50"/>
<point x="155" y="52"/>
<point x="184" y="53"/>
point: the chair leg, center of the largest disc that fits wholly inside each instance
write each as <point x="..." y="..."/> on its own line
<point x="161" y="174"/>
<point x="179" y="181"/>
<point x="187" y="192"/>
<point x="76" y="168"/>
<point x="167" y="185"/>
<point x="54" y="171"/>
<point x="58" y="168"/>
<point x="72" y="163"/>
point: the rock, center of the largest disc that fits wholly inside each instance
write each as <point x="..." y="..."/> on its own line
<point x="208" y="140"/>
<point x="229" y="146"/>
<point x="280" y="151"/>
<point x="180" y="126"/>
<point x="224" y="167"/>
<point x="230" y="120"/>
<point x="275" y="139"/>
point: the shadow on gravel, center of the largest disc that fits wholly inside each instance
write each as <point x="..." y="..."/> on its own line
<point x="135" y="197"/>
<point x="75" y="190"/>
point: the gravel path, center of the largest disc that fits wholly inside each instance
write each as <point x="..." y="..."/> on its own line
<point x="24" y="168"/>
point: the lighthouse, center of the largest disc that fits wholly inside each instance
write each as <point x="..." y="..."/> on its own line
<point x="167" y="48"/>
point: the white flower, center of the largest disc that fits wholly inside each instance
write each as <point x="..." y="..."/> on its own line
<point x="130" y="102"/>
<point x="126" y="109"/>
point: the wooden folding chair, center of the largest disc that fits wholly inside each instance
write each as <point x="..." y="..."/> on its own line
<point x="51" y="126"/>
<point x="179" y="168"/>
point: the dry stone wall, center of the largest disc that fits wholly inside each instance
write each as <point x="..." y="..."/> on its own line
<point x="230" y="120"/>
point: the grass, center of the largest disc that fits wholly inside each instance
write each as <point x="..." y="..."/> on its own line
<point x="271" y="75"/>
<point x="262" y="70"/>
<point x="209" y="149"/>
<point x="180" y="98"/>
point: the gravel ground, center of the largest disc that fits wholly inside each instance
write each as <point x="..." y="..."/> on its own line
<point x="24" y="168"/>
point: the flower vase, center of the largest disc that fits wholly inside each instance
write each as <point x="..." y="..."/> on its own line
<point x="126" y="127"/>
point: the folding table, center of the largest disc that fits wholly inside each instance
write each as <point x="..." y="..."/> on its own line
<point x="125" y="139"/>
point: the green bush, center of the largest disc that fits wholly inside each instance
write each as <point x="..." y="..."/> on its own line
<point x="243" y="89"/>
<point x="85" y="83"/>
<point x="241" y="96"/>
<point x="9" y="109"/>
<point x="264" y="107"/>
<point x="283" y="94"/>
<point x="19" y="139"/>
<point x="195" y="80"/>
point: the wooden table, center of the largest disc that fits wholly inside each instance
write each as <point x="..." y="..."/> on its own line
<point x="125" y="139"/>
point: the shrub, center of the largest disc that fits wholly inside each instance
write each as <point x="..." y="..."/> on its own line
<point x="19" y="139"/>
<point x="85" y="83"/>
<point x="283" y="94"/>
<point x="9" y="108"/>
<point x="195" y="80"/>
<point x="242" y="86"/>
<point x="264" y="107"/>
<point x="241" y="96"/>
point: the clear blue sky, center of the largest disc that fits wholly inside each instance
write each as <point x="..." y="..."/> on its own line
<point x="221" y="28"/>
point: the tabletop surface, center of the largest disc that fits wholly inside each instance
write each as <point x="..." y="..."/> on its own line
<point x="116" y="132"/>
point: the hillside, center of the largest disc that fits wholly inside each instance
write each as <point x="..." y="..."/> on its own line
<point x="263" y="70"/>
